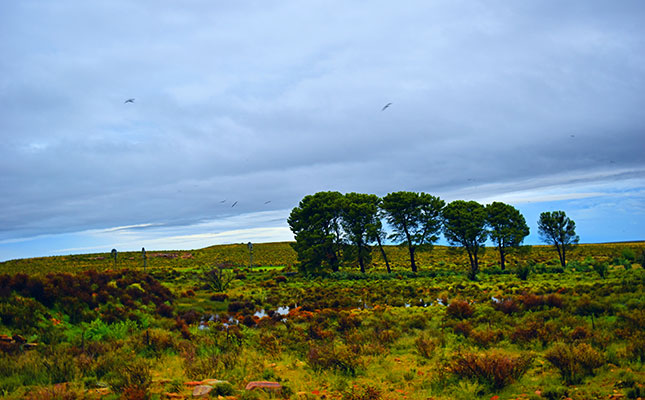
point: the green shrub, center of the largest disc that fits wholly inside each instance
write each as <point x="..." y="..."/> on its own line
<point x="363" y="393"/>
<point x="61" y="367"/>
<point x="574" y="361"/>
<point x="601" y="268"/>
<point x="223" y="389"/>
<point x="328" y="356"/>
<point x="425" y="345"/>
<point x="628" y="254"/>
<point x="132" y="379"/>
<point x="494" y="369"/>
<point x="555" y="392"/>
<point x="523" y="271"/>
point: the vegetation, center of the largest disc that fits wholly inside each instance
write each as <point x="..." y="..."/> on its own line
<point x="415" y="219"/>
<point x="74" y="327"/>
<point x="557" y="229"/>
<point x="464" y="224"/>
<point x="507" y="228"/>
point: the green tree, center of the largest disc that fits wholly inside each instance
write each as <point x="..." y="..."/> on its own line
<point x="315" y="224"/>
<point x="464" y="224"/>
<point x="557" y="229"/>
<point x="376" y="232"/>
<point x="507" y="228"/>
<point x="359" y="220"/>
<point x="415" y="218"/>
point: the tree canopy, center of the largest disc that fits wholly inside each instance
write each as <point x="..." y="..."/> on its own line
<point x="361" y="222"/>
<point x="315" y="224"/>
<point x="414" y="218"/>
<point x="507" y="227"/>
<point x="557" y="229"/>
<point x="464" y="224"/>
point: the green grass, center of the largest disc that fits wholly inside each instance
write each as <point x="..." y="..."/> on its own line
<point x="349" y="338"/>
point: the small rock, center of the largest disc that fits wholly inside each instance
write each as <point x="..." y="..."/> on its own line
<point x="202" y="390"/>
<point x="213" y="382"/>
<point x="263" y="385"/>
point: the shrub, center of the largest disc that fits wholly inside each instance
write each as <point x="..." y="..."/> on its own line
<point x="494" y="369"/>
<point x="219" y="297"/>
<point x="485" y="338"/>
<point x="628" y="254"/>
<point x="132" y="379"/>
<point x="601" y="268"/>
<point x="328" y="356"/>
<point x="459" y="309"/>
<point x="363" y="393"/>
<point x="523" y="271"/>
<point x="425" y="345"/>
<point x="60" y="366"/>
<point x="507" y="306"/>
<point x="574" y="361"/>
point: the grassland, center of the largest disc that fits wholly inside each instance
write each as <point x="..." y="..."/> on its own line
<point x="106" y="330"/>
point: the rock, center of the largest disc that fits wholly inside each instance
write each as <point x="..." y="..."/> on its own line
<point x="202" y="390"/>
<point x="273" y="386"/>
<point x="213" y="382"/>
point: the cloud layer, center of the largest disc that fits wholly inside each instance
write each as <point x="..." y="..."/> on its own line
<point x="264" y="103"/>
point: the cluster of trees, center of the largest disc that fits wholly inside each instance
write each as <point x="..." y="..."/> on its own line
<point x="331" y="228"/>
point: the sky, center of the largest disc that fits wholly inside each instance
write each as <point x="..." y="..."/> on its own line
<point x="537" y="103"/>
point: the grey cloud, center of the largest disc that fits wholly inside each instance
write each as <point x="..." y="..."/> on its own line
<point x="274" y="101"/>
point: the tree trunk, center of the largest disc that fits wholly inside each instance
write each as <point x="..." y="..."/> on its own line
<point x="380" y="246"/>
<point x="412" y="263"/>
<point x="502" y="257"/>
<point x="360" y="256"/>
<point x="560" y="254"/>
<point x="474" y="265"/>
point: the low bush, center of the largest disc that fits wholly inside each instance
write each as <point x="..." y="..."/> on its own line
<point x="459" y="309"/>
<point x="494" y="369"/>
<point x="328" y="356"/>
<point x="574" y="361"/>
<point x="425" y="345"/>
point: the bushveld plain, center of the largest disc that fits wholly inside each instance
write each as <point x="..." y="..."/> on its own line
<point x="95" y="326"/>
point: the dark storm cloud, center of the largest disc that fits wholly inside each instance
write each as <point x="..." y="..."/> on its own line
<point x="256" y="102"/>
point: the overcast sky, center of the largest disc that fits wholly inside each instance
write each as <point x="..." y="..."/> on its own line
<point x="539" y="104"/>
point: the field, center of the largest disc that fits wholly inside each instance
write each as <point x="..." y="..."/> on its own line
<point x="87" y="326"/>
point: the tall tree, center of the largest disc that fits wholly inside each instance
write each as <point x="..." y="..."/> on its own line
<point x="359" y="217"/>
<point x="557" y="229"/>
<point x="507" y="228"/>
<point x="315" y="224"/>
<point x="464" y="224"/>
<point x="376" y="232"/>
<point x="415" y="218"/>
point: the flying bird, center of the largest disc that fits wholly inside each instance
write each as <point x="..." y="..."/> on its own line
<point x="267" y="202"/>
<point x="386" y="106"/>
<point x="129" y="101"/>
<point x="234" y="204"/>
<point x="223" y="201"/>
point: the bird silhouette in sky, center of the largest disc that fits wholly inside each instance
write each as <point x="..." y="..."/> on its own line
<point x="234" y="204"/>
<point x="386" y="106"/>
<point x="267" y="202"/>
<point x="129" y="101"/>
<point x="223" y="201"/>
